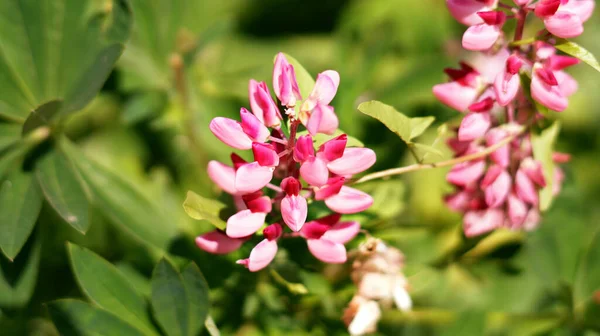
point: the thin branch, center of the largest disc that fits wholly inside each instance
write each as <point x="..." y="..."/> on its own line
<point x="451" y="162"/>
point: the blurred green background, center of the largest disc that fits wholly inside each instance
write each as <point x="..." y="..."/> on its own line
<point x="149" y="124"/>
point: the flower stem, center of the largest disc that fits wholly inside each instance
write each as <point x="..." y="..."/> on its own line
<point x="521" y="17"/>
<point x="451" y="162"/>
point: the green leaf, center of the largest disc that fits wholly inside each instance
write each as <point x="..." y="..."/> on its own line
<point x="388" y="197"/>
<point x="303" y="77"/>
<point x="202" y="208"/>
<point x="52" y="50"/>
<point x="126" y="206"/>
<point x="197" y="293"/>
<point x="321" y="138"/>
<point x="420" y="151"/>
<point x="77" y="318"/>
<point x="64" y="190"/>
<point x="9" y="134"/>
<point x="42" y="115"/>
<point x="170" y="300"/>
<point x="587" y="280"/>
<point x="577" y="51"/>
<point x="543" y="147"/>
<point x="18" y="277"/>
<point x="467" y="323"/>
<point x="107" y="288"/>
<point x="406" y="128"/>
<point x="20" y="204"/>
<point x="143" y="106"/>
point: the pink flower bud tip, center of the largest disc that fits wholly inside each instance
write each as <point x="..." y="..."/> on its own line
<point x="349" y="200"/>
<point x="260" y="256"/>
<point x="263" y="106"/>
<point x="217" y="242"/>
<point x="284" y="82"/>
<point x="294" y="208"/>
<point x="465" y="11"/>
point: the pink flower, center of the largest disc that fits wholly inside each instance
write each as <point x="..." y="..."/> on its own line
<point x="223" y="176"/>
<point x="349" y="200"/>
<point x="533" y="169"/>
<point x="294" y="208"/>
<point x="483" y="36"/>
<point x="217" y="242"/>
<point x="239" y="135"/>
<point x="564" y="24"/>
<point x="466" y="173"/>
<point x="473" y="126"/>
<point x="517" y="211"/>
<point x="462" y="90"/>
<point x="284" y="82"/>
<point x="313" y="169"/>
<point x="326" y="237"/>
<point x="500" y="156"/>
<point x="525" y="188"/>
<point x="496" y="184"/>
<point x="583" y="8"/>
<point x="482" y="221"/>
<point x="545" y="89"/>
<point x="507" y="83"/>
<point x="263" y="106"/>
<point x="264" y="252"/>
<point x="315" y="113"/>
<point x="353" y="161"/>
<point x="248" y="221"/>
<point x="465" y="11"/>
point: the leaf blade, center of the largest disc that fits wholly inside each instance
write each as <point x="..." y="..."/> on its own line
<point x="202" y="208"/>
<point x="577" y="51"/>
<point x="169" y="299"/>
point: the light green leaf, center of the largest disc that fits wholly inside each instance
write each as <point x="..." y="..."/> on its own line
<point x="420" y="151"/>
<point x="20" y="204"/>
<point x="197" y="293"/>
<point x="107" y="288"/>
<point x="321" y="138"/>
<point x="406" y="128"/>
<point x="18" y="277"/>
<point x="126" y="206"/>
<point x="64" y="190"/>
<point x="170" y="300"/>
<point x="138" y="280"/>
<point x="543" y="147"/>
<point x="202" y="208"/>
<point x="9" y="134"/>
<point x="587" y="280"/>
<point x="78" y="318"/>
<point x="53" y="50"/>
<point x="388" y="197"/>
<point x="577" y="51"/>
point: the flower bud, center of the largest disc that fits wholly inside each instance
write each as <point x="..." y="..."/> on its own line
<point x="273" y="231"/>
<point x="263" y="106"/>
<point x="260" y="256"/>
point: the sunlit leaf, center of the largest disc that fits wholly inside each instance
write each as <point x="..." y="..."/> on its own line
<point x="421" y="151"/>
<point x="20" y="204"/>
<point x="106" y="287"/>
<point x="19" y="276"/>
<point x="61" y="49"/>
<point x="202" y="208"/>
<point x="64" y="190"/>
<point x="419" y="125"/>
<point x="543" y="147"/>
<point x="577" y="51"/>
<point x="78" y="318"/>
<point x="406" y="128"/>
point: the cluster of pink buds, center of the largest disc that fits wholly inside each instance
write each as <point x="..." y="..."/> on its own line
<point x="502" y="190"/>
<point x="288" y="172"/>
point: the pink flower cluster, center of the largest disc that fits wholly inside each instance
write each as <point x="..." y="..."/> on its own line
<point x="288" y="171"/>
<point x="502" y="190"/>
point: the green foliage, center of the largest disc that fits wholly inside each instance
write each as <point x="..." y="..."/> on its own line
<point x="18" y="277"/>
<point x="578" y="51"/>
<point x="202" y="208"/>
<point x="543" y="147"/>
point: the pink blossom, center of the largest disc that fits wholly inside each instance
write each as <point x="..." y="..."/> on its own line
<point x="326" y="237"/>
<point x="349" y="201"/>
<point x="564" y="24"/>
<point x="284" y="82"/>
<point x="482" y="221"/>
<point x="217" y="242"/>
<point x="500" y="156"/>
<point x="545" y="89"/>
<point x="483" y="36"/>
<point x="248" y="221"/>
<point x="466" y="173"/>
<point x="294" y="208"/>
<point x="465" y="11"/>
<point x="263" y="106"/>
<point x="473" y="126"/>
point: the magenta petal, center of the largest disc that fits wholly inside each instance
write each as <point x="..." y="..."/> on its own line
<point x="217" y="242"/>
<point x="244" y="223"/>
<point x="263" y="106"/>
<point x="564" y="24"/>
<point x="322" y="120"/>
<point x="253" y="127"/>
<point x="525" y="188"/>
<point x="333" y="149"/>
<point x="262" y="255"/>
<point x="497" y="191"/>
<point x="327" y="251"/>
<point x="480" y="37"/>
<point x="284" y="81"/>
<point x="473" y="126"/>
<point x="479" y="222"/>
<point x="265" y="154"/>
<point x="326" y="87"/>
<point x="342" y="232"/>
<point x="349" y="201"/>
<point x="455" y="95"/>
<point x="223" y="176"/>
<point x="517" y="211"/>
<point x="304" y="148"/>
<point x="252" y="177"/>
<point x="353" y="161"/>
<point x="465" y="173"/>
<point x="314" y="171"/>
<point x="294" y="210"/>
<point x="230" y="132"/>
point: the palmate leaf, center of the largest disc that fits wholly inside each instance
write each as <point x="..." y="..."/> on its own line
<point x="57" y="51"/>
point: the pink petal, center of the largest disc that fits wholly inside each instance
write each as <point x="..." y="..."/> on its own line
<point x="545" y="8"/>
<point x="517" y="211"/>
<point x="547" y="95"/>
<point x="325" y="88"/>
<point x="252" y="177"/>
<point x="349" y="200"/>
<point x="333" y="149"/>
<point x="480" y="37"/>
<point x="525" y="189"/>
<point x="294" y="210"/>
<point x="217" y="242"/>
<point x="253" y="127"/>
<point x="263" y="106"/>
<point x="262" y="255"/>
<point x="564" y="24"/>
<point x="265" y="154"/>
<point x="244" y="223"/>
<point x="497" y="191"/>
<point x="500" y="156"/>
<point x="459" y="201"/>
<point x="333" y="187"/>
<point x="455" y="95"/>
<point x="354" y="161"/>
<point x="465" y="11"/>
<point x="342" y="232"/>
<point x="223" y="176"/>
<point x="327" y="251"/>
<point x="315" y="172"/>
<point x="465" y="173"/>
<point x="506" y="87"/>
<point x="284" y="81"/>
<point x="533" y="169"/>
<point x="566" y="83"/>
<point x="230" y="132"/>
<point x="583" y="8"/>
<point x="479" y="222"/>
<point x="322" y="120"/>
<point x="304" y="148"/>
<point x="474" y="125"/>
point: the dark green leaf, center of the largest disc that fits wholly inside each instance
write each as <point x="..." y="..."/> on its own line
<point x="170" y="300"/>
<point x="18" y="277"/>
<point x="143" y="106"/>
<point x="62" y="49"/>
<point x="197" y="293"/>
<point x="64" y="190"/>
<point x="20" y="204"/>
<point x="106" y="287"/>
<point x="467" y="323"/>
<point x="588" y="276"/>
<point x="406" y="128"/>
<point x="42" y="115"/>
<point x="202" y="208"/>
<point x="543" y="147"/>
<point x="133" y="211"/>
<point x="77" y="318"/>
<point x="578" y="51"/>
